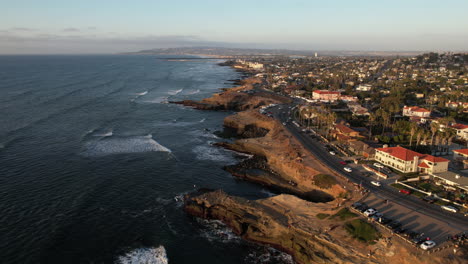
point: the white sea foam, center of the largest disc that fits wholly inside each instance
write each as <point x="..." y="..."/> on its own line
<point x="141" y="94"/>
<point x="108" y="133"/>
<point x="203" y="120"/>
<point x="268" y="255"/>
<point x="217" y="231"/>
<point x="116" y="145"/>
<point x="158" y="100"/>
<point x="213" y="153"/>
<point x="270" y="194"/>
<point x="145" y="256"/>
<point x="193" y="92"/>
<point x="175" y="92"/>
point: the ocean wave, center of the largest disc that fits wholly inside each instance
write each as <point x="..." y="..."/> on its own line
<point x="158" y="100"/>
<point x="269" y="255"/>
<point x="192" y="92"/>
<point x="217" y="231"/>
<point x="145" y="255"/>
<point x="141" y="94"/>
<point x="202" y="120"/>
<point x="213" y="154"/>
<point x="270" y="194"/>
<point x="118" y="145"/>
<point x="175" y="92"/>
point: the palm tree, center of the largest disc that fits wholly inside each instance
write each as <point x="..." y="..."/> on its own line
<point x="434" y="128"/>
<point x="413" y="128"/>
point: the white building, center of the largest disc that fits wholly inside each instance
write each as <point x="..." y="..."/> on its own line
<point x="416" y="111"/>
<point x="407" y="161"/>
<point x="364" y="87"/>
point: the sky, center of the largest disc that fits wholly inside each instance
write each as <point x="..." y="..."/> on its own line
<point x="111" y="26"/>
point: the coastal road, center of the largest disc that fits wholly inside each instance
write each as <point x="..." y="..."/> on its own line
<point x="456" y="221"/>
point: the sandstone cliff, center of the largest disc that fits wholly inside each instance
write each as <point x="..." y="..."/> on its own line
<point x="238" y="99"/>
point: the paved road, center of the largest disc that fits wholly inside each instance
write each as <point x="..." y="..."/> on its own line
<point x="456" y="221"/>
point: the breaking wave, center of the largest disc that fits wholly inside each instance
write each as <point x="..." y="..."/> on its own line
<point x="175" y="92"/>
<point x="145" y="256"/>
<point x="119" y="145"/>
<point x="217" y="231"/>
<point x="158" y="100"/>
<point x="141" y="94"/>
<point x="193" y="92"/>
<point x="212" y="153"/>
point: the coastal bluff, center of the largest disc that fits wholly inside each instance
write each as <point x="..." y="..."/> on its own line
<point x="284" y="222"/>
<point x="290" y="166"/>
<point x="239" y="98"/>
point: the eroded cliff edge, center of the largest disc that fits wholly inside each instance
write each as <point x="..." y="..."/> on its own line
<point x="274" y="221"/>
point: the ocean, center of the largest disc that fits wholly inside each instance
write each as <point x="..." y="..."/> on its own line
<point x="94" y="162"/>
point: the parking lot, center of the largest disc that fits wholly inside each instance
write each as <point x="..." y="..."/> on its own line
<point x="414" y="220"/>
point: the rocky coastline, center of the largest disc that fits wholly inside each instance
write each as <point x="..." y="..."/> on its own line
<point x="288" y="221"/>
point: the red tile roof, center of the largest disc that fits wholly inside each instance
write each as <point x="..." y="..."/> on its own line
<point x="416" y="109"/>
<point x="423" y="165"/>
<point x="401" y="153"/>
<point x="434" y="159"/>
<point x="462" y="151"/>
<point x="459" y="126"/>
<point x="344" y="129"/>
<point x="326" y="92"/>
<point x="408" y="155"/>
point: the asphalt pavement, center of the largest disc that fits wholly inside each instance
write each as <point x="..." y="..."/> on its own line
<point x="386" y="192"/>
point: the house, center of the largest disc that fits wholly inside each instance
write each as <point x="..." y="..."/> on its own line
<point x="416" y="111"/>
<point x="364" y="87"/>
<point x="347" y="131"/>
<point x="462" y="131"/>
<point x="408" y="161"/>
<point x="461" y="155"/>
<point x="361" y="148"/>
<point x="452" y="179"/>
<point x="325" y="95"/>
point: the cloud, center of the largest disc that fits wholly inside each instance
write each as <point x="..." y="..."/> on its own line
<point x="71" y="29"/>
<point x="91" y="28"/>
<point x="23" y="29"/>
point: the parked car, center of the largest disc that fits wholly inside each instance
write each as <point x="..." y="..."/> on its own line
<point x="394" y="224"/>
<point x="384" y="220"/>
<point x="363" y="208"/>
<point x="376" y="216"/>
<point x="428" y="244"/>
<point x="347" y="169"/>
<point x="342" y="162"/>
<point x="404" y="191"/>
<point x="356" y="205"/>
<point x="332" y="153"/>
<point x="370" y="212"/>
<point x="429" y="199"/>
<point x="449" y="208"/>
<point x="378" y="165"/>
<point x="376" y="183"/>
<point x="284" y="123"/>
<point x="399" y="230"/>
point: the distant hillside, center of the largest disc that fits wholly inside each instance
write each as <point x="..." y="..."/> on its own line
<point x="220" y="51"/>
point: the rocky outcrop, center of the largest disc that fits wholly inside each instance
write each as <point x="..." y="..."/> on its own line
<point x="237" y="99"/>
<point x="274" y="221"/>
<point x="290" y="167"/>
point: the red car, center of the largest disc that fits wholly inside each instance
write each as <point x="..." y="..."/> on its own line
<point x="404" y="191"/>
<point x="342" y="163"/>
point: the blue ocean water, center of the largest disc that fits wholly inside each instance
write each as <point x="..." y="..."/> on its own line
<point x="93" y="161"/>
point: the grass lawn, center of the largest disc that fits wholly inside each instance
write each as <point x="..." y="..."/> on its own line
<point x="344" y="214"/>
<point x="324" y="181"/>
<point x="362" y="231"/>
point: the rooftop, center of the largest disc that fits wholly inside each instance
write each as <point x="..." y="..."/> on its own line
<point x="408" y="155"/>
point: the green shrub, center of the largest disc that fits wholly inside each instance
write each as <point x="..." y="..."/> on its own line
<point x="324" y="181"/>
<point x="344" y="214"/>
<point x="322" y="216"/>
<point x="362" y="231"/>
